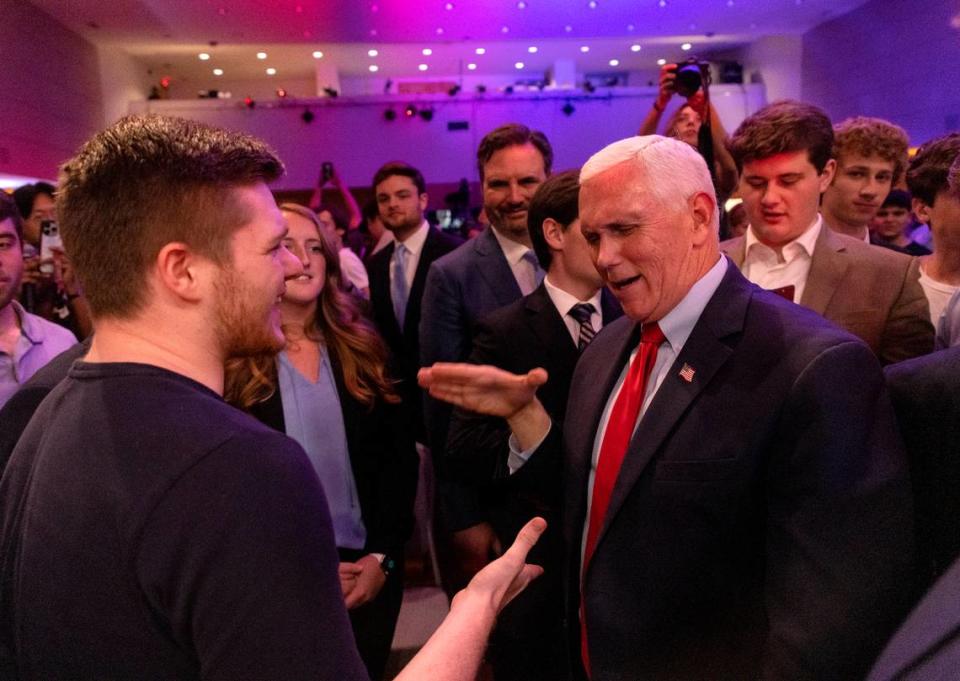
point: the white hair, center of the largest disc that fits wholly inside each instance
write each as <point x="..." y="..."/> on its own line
<point x="676" y="171"/>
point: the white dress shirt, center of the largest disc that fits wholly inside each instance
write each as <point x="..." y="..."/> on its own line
<point x="414" y="247"/>
<point x="766" y="269"/>
<point x="524" y="271"/>
<point x="564" y="302"/>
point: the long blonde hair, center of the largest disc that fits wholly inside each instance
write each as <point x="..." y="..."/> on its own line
<point x="338" y="324"/>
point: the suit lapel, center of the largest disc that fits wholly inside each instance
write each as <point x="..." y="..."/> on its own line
<point x="827" y="269"/>
<point x="549" y="328"/>
<point x="705" y="351"/>
<point x="381" y="299"/>
<point x="494" y="268"/>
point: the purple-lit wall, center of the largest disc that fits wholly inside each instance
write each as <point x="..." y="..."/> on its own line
<point x="895" y="60"/>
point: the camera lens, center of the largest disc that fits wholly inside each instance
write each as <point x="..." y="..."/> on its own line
<point x="688" y="80"/>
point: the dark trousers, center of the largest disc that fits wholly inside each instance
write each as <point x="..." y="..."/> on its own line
<point x="374" y="622"/>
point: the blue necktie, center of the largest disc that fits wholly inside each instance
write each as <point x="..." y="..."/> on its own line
<point x="398" y="283"/>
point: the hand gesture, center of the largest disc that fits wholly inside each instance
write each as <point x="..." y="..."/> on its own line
<point x="348" y="577"/>
<point x="369" y="579"/>
<point x="481" y="388"/>
<point x="65" y="274"/>
<point x="508" y="575"/>
<point x="32" y="273"/>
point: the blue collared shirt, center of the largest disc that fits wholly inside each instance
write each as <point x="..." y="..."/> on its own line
<point x="39" y="342"/>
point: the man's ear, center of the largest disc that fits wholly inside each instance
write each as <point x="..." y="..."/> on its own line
<point x="921" y="210"/>
<point x="181" y="271"/>
<point x="826" y="177"/>
<point x="424" y="201"/>
<point x="553" y="233"/>
<point x="703" y="209"/>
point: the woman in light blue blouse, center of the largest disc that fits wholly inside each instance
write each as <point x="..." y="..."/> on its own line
<point x="329" y="390"/>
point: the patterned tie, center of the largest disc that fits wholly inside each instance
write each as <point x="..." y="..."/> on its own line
<point x="398" y="283"/>
<point x="582" y="313"/>
<point x="613" y="449"/>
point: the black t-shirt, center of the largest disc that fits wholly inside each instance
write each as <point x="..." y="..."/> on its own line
<point x="151" y="531"/>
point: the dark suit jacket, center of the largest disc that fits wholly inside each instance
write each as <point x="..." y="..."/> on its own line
<point x="383" y="458"/>
<point x="404" y="343"/>
<point x="927" y="646"/>
<point x="926" y="397"/>
<point x="461" y="287"/>
<point x="872" y="292"/>
<point x="19" y="409"/>
<point x="760" y="524"/>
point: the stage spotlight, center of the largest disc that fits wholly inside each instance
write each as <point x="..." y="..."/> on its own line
<point x="427" y="114"/>
<point x="410" y="111"/>
<point x="568" y="109"/>
<point x="390" y="115"/>
<point x="307" y="116"/>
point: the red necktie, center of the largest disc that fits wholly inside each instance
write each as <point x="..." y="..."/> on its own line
<point x="613" y="449"/>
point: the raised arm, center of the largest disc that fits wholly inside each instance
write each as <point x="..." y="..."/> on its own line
<point x="667" y="78"/>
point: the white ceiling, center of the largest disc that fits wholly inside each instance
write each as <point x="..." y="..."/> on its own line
<point x="167" y="35"/>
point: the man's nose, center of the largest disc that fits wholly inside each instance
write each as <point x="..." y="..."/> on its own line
<point x="292" y="265"/>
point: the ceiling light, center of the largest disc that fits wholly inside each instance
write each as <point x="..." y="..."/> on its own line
<point x="372" y="53"/>
<point x="448" y="6"/>
<point x="635" y="48"/>
<point x="662" y="3"/>
<point x="729" y="3"/>
<point x="532" y="49"/>
<point x="218" y="72"/>
<point x="203" y="56"/>
<point x="568" y="28"/>
<point x="584" y="48"/>
<point x="661" y="62"/>
<point x="592" y="4"/>
<point x="373" y="68"/>
<point x="261" y="55"/>
<point x="426" y="52"/>
<point x="504" y="29"/>
<point x="439" y="31"/>
<point x="271" y="71"/>
<point x="630" y="27"/>
<point x="318" y="55"/>
<point x="685" y="47"/>
<point x="480" y="50"/>
<point x="471" y="67"/>
<point x="422" y="67"/>
<point x="614" y="62"/>
<point x="518" y="65"/>
<point x="521" y="5"/>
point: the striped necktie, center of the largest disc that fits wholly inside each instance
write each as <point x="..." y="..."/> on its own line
<point x="582" y="312"/>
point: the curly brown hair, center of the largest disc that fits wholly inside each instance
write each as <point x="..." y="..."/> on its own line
<point x="872" y="137"/>
<point x="339" y="324"/>
<point x="928" y="173"/>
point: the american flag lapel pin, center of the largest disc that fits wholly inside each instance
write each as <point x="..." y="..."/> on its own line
<point x="687" y="372"/>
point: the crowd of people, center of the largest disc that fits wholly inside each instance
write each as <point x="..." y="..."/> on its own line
<point x="680" y="442"/>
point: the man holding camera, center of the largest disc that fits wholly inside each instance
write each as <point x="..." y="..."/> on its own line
<point x="27" y="342"/>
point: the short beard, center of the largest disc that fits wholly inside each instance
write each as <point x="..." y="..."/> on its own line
<point x="242" y="329"/>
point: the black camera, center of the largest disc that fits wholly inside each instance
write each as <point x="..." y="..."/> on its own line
<point x="692" y="74"/>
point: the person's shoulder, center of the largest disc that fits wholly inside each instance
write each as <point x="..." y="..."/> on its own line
<point x="444" y="241"/>
<point x="936" y="369"/>
<point x="55" y="336"/>
<point x="864" y="254"/>
<point x="460" y="260"/>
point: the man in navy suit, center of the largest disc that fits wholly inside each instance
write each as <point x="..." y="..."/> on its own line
<point x="548" y="328"/>
<point x="398" y="273"/>
<point x="493" y="270"/>
<point x="737" y="498"/>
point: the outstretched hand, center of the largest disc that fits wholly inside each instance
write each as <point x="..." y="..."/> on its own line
<point x="508" y="575"/>
<point x="481" y="388"/>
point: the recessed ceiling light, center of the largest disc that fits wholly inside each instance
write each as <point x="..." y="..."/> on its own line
<point x="635" y="48"/>
<point x="686" y="46"/>
<point x="374" y="8"/>
<point x="662" y="3"/>
<point x="661" y="62"/>
<point x="373" y="32"/>
<point x="471" y="67"/>
<point x="448" y="6"/>
<point x="261" y="55"/>
<point x="373" y="68"/>
<point x="439" y="31"/>
<point x="568" y="28"/>
<point x="521" y="5"/>
<point x="592" y="4"/>
<point x="504" y="29"/>
<point x="532" y="49"/>
<point x="372" y="53"/>
<point x="584" y="48"/>
<point x="218" y="72"/>
<point x="730" y="3"/>
<point x="630" y="27"/>
<point x="203" y="56"/>
<point x="422" y="67"/>
<point x="426" y="52"/>
<point x="318" y="55"/>
<point x="271" y="71"/>
<point x="480" y="50"/>
<point x="614" y="62"/>
<point x="518" y="65"/>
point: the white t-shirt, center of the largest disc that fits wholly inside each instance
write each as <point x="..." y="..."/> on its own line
<point x="938" y="295"/>
<point x="353" y="270"/>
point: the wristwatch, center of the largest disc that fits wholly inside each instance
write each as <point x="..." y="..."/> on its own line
<point x="387" y="564"/>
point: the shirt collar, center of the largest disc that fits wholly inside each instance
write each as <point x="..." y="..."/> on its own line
<point x="677" y="325"/>
<point x="414" y="242"/>
<point x="564" y="301"/>
<point x="805" y="243"/>
<point x="513" y="251"/>
<point x="29" y="329"/>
